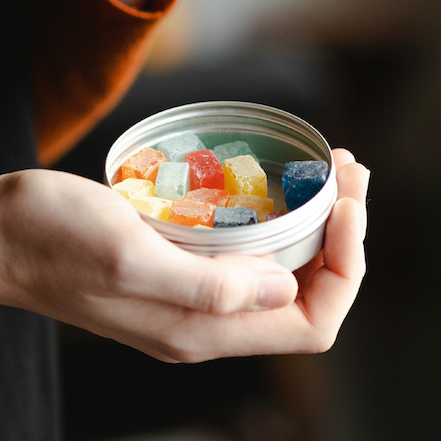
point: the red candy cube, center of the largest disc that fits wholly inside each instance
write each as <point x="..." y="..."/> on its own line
<point x="205" y="170"/>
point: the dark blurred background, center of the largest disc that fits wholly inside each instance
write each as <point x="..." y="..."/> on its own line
<point x="367" y="74"/>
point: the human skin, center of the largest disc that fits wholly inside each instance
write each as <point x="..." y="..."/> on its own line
<point x="74" y="250"/>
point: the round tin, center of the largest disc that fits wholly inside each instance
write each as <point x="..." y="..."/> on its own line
<point x="276" y="137"/>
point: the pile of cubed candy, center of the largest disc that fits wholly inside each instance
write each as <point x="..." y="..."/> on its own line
<point x="183" y="182"/>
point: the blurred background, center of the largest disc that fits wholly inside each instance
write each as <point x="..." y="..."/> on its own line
<point x="367" y="74"/>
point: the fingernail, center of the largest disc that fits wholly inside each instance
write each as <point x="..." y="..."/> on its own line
<point x="275" y="290"/>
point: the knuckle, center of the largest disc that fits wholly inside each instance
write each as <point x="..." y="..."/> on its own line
<point x="219" y="293"/>
<point x="185" y="357"/>
<point x="116" y="262"/>
<point x="185" y="352"/>
<point x="169" y="352"/>
<point x="324" y="342"/>
<point x="356" y="274"/>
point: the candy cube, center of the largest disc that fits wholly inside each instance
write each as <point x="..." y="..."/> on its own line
<point x="175" y="149"/>
<point x="143" y="165"/>
<point x="243" y="175"/>
<point x="191" y="213"/>
<point x="133" y="186"/>
<point x="301" y="180"/>
<point x="155" y="207"/>
<point x="233" y="217"/>
<point x="262" y="206"/>
<point x="205" y="170"/>
<point x="214" y="196"/>
<point x="233" y="149"/>
<point x="173" y="180"/>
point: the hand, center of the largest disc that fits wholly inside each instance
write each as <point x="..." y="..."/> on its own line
<point x="75" y="250"/>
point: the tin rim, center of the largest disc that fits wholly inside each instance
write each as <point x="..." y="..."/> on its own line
<point x="256" y="239"/>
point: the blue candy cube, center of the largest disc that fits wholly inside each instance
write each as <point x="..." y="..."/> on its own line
<point x="302" y="180"/>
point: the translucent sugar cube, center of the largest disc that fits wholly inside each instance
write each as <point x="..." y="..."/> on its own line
<point x="233" y="149"/>
<point x="191" y="213"/>
<point x="205" y="170"/>
<point x="262" y="206"/>
<point x="142" y="165"/>
<point x="214" y="196"/>
<point x="233" y="217"/>
<point x="302" y="180"/>
<point x="155" y="207"/>
<point x="243" y="175"/>
<point x="173" y="180"/>
<point x="175" y="149"/>
<point x="133" y="186"/>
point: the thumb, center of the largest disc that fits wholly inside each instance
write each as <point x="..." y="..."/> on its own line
<point x="228" y="283"/>
<point x="219" y="285"/>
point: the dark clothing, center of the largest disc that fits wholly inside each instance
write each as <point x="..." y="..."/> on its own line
<point x="29" y="407"/>
<point x="29" y="404"/>
<point x="62" y="41"/>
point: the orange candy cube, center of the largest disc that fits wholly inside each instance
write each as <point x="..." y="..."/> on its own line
<point x="143" y="165"/>
<point x="191" y="213"/>
<point x="214" y="196"/>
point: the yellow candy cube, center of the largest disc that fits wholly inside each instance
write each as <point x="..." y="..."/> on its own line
<point x="261" y="205"/>
<point x="157" y="208"/>
<point x="132" y="187"/>
<point x="243" y="175"/>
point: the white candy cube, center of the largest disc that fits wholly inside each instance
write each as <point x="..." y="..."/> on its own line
<point x="175" y="149"/>
<point x="173" y="180"/>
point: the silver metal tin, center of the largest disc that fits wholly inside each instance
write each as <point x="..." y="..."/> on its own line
<point x="292" y="239"/>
